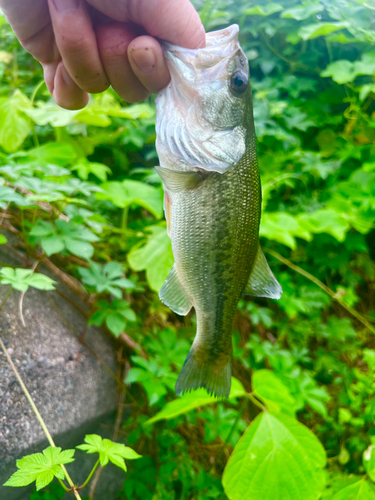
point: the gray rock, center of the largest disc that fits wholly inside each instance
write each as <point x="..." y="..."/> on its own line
<point x="73" y="391"/>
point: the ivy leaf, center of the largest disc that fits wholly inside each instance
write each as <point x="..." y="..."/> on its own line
<point x="320" y="29"/>
<point x="108" y="451"/>
<point x="280" y="444"/>
<point x="3" y="239"/>
<point x="362" y="490"/>
<point x="191" y="400"/>
<point x="41" y="468"/>
<point x="22" y="279"/>
<point x="325" y="221"/>
<point x="274" y="394"/>
<point x="155" y="256"/>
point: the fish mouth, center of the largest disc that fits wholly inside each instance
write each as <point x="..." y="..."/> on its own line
<point x="220" y="45"/>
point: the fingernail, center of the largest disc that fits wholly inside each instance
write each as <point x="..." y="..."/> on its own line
<point x="144" y="59"/>
<point x="66" y="77"/>
<point x="65" y="5"/>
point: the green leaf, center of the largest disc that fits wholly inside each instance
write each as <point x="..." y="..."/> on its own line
<point x="21" y="279"/>
<point x="155" y="257"/>
<point x="369" y="462"/>
<point x="3" y="239"/>
<point x="14" y="127"/>
<point x="263" y="10"/>
<point x="325" y="221"/>
<point x="320" y="29"/>
<point x="275" y="454"/>
<point x="53" y="244"/>
<point x="57" y="153"/>
<point x="116" y="323"/>
<point x="108" y="451"/>
<point x="191" y="400"/>
<point x="123" y="194"/>
<point x="283" y="227"/>
<point x="274" y="394"/>
<point x="41" y="468"/>
<point x="302" y="11"/>
<point x="362" y="490"/>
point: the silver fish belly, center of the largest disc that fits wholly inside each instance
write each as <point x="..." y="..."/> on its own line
<point x="207" y="150"/>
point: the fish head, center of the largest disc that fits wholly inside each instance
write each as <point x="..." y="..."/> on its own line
<point x="202" y="115"/>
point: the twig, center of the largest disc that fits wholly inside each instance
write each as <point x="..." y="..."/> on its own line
<point x="72" y="283"/>
<point x="38" y="416"/>
<point x="324" y="287"/>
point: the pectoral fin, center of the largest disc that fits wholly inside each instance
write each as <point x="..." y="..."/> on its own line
<point x="175" y="180"/>
<point x="262" y="282"/>
<point x="173" y="294"/>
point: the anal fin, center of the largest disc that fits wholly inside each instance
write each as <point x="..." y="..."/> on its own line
<point x="262" y="282"/>
<point x="173" y="294"/>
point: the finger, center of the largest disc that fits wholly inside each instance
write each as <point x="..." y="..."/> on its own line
<point x="113" y="43"/>
<point x="148" y="63"/>
<point x="65" y="91"/>
<point x="27" y="17"/>
<point x="76" y="41"/>
<point x="173" y="20"/>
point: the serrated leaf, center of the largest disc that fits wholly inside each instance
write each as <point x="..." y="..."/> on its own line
<point x="108" y="451"/>
<point x="191" y="400"/>
<point x="274" y="394"/>
<point x="280" y="444"/>
<point x="41" y="467"/>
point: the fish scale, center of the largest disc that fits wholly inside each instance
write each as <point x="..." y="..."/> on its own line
<point x="212" y="208"/>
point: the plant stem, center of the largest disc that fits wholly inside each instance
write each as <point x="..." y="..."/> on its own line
<point x="63" y="485"/>
<point x="36" y="90"/>
<point x="38" y="415"/>
<point x="6" y="298"/>
<point x="255" y="401"/>
<point x="89" y="476"/>
<point x="124" y="219"/>
<point x="324" y="287"/>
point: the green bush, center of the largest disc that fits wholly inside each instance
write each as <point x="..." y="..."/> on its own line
<point x="78" y="190"/>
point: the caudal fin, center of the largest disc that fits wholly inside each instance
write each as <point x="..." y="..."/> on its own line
<point x="213" y="376"/>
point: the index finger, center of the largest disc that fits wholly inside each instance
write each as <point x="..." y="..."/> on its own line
<point x="176" y="21"/>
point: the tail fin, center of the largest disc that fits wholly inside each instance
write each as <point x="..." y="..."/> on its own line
<point x="213" y="376"/>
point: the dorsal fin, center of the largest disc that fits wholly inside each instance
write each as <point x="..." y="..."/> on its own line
<point x="262" y="282"/>
<point x="175" y="180"/>
<point x="173" y="294"/>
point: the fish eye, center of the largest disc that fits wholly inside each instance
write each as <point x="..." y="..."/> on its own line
<point x="238" y="83"/>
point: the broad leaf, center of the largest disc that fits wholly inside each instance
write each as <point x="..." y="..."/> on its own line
<point x="276" y="454"/>
<point x="14" y="126"/>
<point x="155" y="257"/>
<point x="320" y="29"/>
<point x="274" y="394"/>
<point x="362" y="490"/>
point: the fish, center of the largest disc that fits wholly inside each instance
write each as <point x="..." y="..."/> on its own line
<point x="206" y="144"/>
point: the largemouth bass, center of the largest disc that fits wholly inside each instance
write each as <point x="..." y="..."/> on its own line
<point x="208" y="165"/>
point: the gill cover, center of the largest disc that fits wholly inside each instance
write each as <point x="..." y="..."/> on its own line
<point x="201" y="113"/>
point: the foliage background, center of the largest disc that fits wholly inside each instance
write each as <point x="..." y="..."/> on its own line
<point x="78" y="190"/>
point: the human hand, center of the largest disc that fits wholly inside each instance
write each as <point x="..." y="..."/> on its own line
<point x="86" y="45"/>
